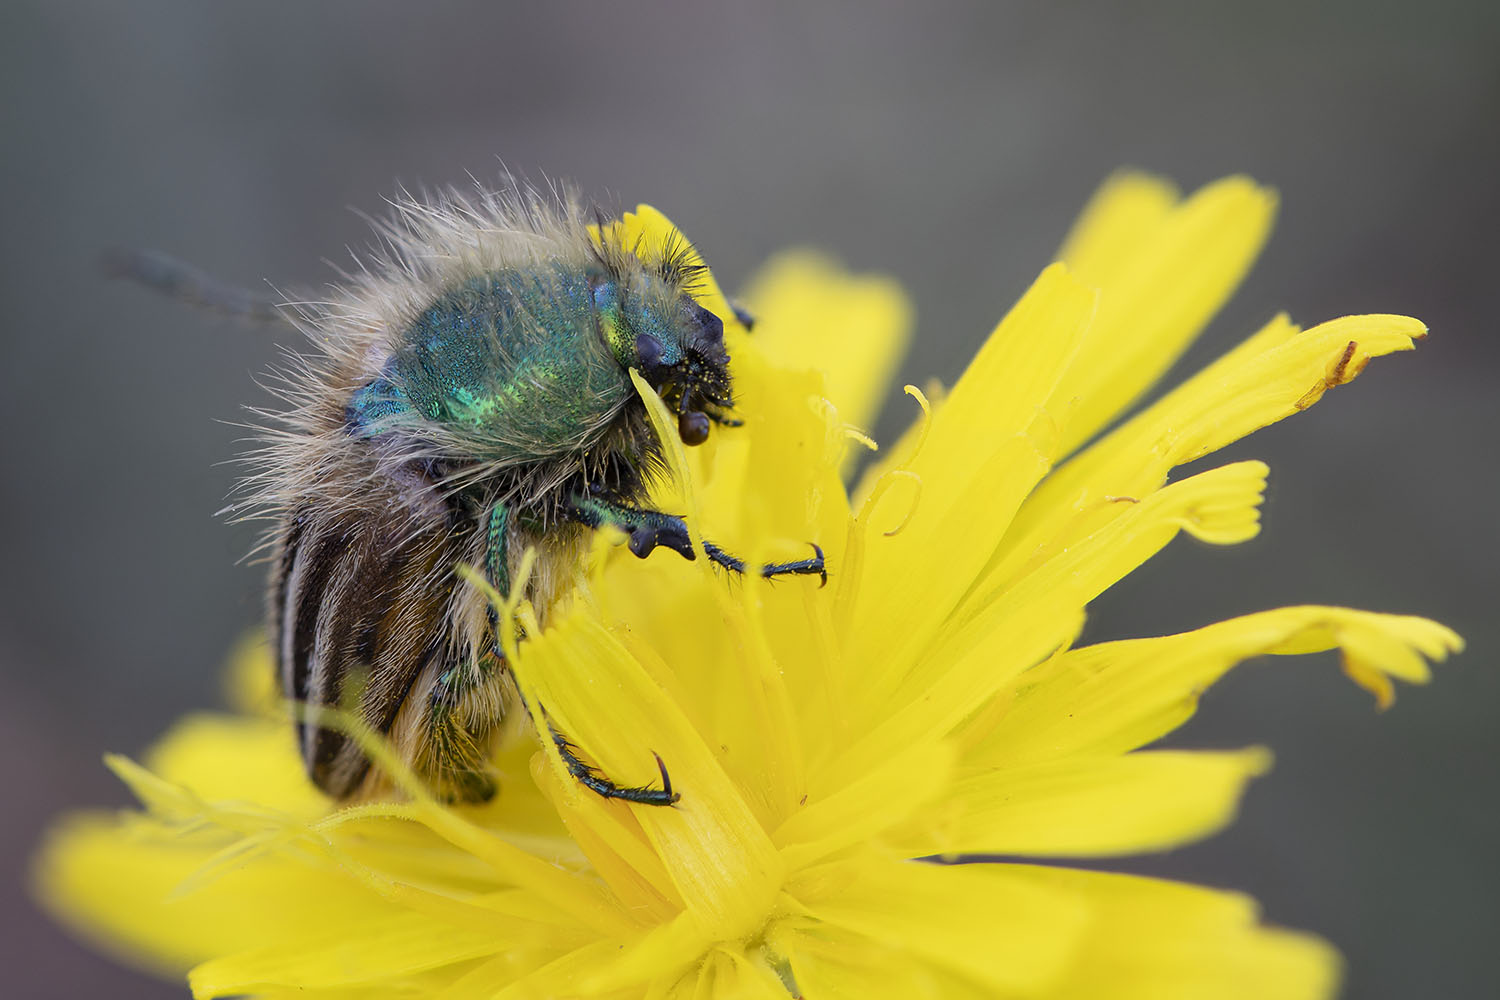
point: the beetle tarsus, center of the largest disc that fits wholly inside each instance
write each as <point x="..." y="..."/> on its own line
<point x="589" y="777"/>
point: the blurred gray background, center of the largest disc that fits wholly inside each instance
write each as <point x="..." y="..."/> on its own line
<point x="948" y="144"/>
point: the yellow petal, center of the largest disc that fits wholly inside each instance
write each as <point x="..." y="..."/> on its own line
<point x="975" y="921"/>
<point x="1221" y="506"/>
<point x="597" y="968"/>
<point x="812" y="313"/>
<point x="250" y="681"/>
<point x="1012" y="378"/>
<point x="1157" y="289"/>
<point x="914" y="716"/>
<point x="776" y="481"/>
<point x="662" y="954"/>
<point x="722" y="865"/>
<point x="249" y="758"/>
<point x="1274" y="374"/>
<point x="730" y="973"/>
<point x="1092" y="806"/>
<point x="614" y="845"/>
<point x="1015" y="373"/>
<point x="1150" y="939"/>
<point x="975" y="465"/>
<point x="1017" y="628"/>
<point x="832" y="962"/>
<point x="567" y="976"/>
<point x="118" y="884"/>
<point x="760" y="716"/>
<point x="371" y="952"/>
<point x="895" y="597"/>
<point x="859" y="812"/>
<point x="221" y="872"/>
<point x="1116" y="696"/>
<point x="1121" y="215"/>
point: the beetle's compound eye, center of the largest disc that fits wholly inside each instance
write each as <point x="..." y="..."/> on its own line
<point x="649" y="350"/>
<point x="692" y="427"/>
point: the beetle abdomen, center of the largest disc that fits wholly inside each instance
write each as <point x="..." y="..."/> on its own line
<point x="360" y="605"/>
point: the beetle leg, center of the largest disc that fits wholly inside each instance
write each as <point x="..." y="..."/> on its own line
<point x="648" y="529"/>
<point x="452" y="686"/>
<point x="458" y="751"/>
<point x="589" y="777"/>
<point x="496" y="568"/>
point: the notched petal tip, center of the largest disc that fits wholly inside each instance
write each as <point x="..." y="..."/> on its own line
<point x="1376" y="335"/>
<point x="1371" y="678"/>
<point x="1376" y="648"/>
<point x="1227" y="509"/>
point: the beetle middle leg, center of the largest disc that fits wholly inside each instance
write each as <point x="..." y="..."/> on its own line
<point x="459" y="749"/>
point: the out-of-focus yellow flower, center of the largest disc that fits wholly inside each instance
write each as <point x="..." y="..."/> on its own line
<point x="928" y="702"/>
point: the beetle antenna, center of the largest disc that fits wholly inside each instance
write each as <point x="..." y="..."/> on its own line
<point x="179" y="280"/>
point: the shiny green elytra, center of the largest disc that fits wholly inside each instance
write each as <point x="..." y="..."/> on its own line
<point x="472" y="401"/>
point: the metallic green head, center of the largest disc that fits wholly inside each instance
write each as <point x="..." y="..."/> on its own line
<point x="654" y="326"/>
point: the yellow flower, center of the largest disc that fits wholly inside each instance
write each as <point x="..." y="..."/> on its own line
<point x="928" y="702"/>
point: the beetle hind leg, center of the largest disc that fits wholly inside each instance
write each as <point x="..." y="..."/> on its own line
<point x="465" y="756"/>
<point x="589" y="777"/>
<point x="459" y="748"/>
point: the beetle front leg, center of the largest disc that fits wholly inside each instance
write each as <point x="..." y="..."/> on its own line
<point x="648" y="529"/>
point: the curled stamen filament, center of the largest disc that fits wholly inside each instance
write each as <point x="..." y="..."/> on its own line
<point x="860" y="437"/>
<point x="881" y="487"/>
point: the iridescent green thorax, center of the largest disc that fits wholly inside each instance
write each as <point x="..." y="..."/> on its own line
<point x="515" y="362"/>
